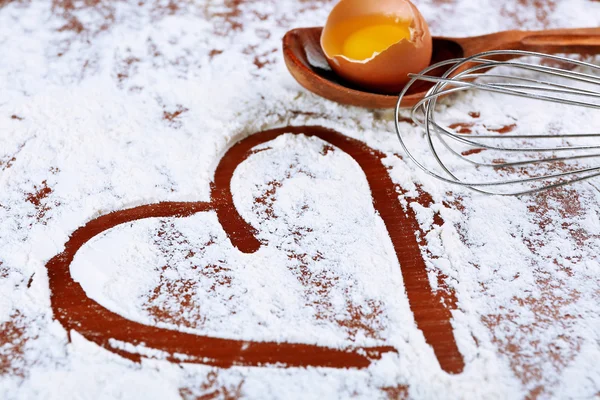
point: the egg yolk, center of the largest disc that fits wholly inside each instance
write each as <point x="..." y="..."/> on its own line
<point x="365" y="42"/>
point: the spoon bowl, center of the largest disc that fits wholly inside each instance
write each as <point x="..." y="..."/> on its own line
<point x="307" y="63"/>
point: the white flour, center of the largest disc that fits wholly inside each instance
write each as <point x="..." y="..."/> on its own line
<point x="108" y="105"/>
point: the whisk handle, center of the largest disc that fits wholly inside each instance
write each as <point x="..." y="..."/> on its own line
<point x="578" y="40"/>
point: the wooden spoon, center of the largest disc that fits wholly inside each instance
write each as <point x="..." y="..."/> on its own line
<point x="307" y="63"/>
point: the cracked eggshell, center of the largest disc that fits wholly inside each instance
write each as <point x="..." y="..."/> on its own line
<point x="387" y="71"/>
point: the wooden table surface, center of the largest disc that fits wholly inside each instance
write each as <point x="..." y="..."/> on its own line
<point x="432" y="309"/>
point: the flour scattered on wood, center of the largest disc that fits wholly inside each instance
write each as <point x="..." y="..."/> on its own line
<point x="107" y="105"/>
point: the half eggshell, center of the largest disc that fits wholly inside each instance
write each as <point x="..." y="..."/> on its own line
<point x="387" y="71"/>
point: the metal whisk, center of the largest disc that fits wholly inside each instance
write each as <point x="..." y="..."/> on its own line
<point x="508" y="164"/>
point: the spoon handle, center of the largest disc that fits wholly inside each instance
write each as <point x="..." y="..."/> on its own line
<point x="586" y="40"/>
<point x="578" y="40"/>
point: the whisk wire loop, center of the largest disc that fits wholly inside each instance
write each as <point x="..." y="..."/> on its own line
<point x="538" y="164"/>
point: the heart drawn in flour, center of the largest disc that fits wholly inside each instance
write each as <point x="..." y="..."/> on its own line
<point x="76" y="311"/>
